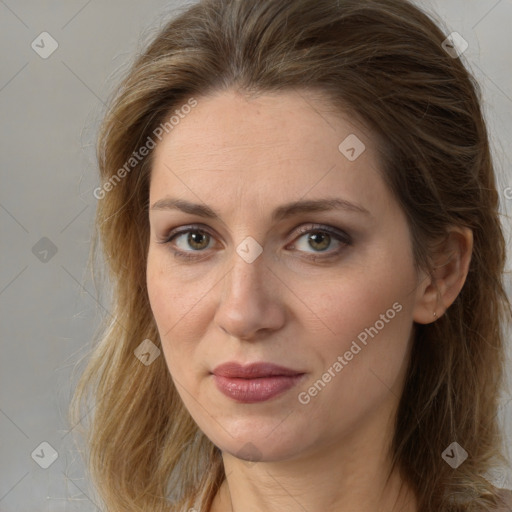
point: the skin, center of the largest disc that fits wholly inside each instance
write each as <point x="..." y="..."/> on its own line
<point x="243" y="158"/>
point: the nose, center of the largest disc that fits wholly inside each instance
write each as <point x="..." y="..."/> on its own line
<point x="250" y="304"/>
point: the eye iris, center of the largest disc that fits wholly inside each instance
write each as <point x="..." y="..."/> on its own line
<point x="324" y="237"/>
<point x="193" y="237"/>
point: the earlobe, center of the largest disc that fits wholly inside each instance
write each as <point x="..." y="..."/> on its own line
<point x="437" y="292"/>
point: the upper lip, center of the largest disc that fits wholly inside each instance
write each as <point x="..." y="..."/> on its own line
<point x="255" y="370"/>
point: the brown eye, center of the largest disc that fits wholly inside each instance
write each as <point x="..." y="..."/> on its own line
<point x="320" y="239"/>
<point x="190" y="243"/>
<point x="196" y="239"/>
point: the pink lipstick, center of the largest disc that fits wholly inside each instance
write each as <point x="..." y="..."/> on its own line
<point x="256" y="382"/>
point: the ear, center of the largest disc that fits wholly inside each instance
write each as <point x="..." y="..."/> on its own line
<point x="437" y="292"/>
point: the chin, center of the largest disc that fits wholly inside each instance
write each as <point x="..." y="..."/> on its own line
<point x="257" y="442"/>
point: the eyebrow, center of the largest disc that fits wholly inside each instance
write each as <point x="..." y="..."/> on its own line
<point x="280" y="213"/>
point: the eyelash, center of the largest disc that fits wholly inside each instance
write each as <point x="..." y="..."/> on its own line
<point x="341" y="237"/>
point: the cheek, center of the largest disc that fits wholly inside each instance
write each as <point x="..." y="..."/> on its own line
<point x="371" y="335"/>
<point x="361" y="366"/>
<point x="160" y="293"/>
<point x="356" y="300"/>
<point x="173" y="305"/>
<point x="367" y="314"/>
<point x="171" y="297"/>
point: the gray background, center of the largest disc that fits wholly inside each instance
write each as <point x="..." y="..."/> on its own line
<point x="50" y="109"/>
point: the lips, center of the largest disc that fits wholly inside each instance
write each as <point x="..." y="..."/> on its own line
<point x="256" y="382"/>
<point x="253" y="371"/>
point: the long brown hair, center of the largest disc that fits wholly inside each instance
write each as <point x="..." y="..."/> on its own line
<point x="383" y="61"/>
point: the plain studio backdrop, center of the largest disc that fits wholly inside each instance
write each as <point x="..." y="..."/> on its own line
<point x="52" y="96"/>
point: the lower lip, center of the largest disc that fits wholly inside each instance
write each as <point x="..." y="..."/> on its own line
<point x="255" y="390"/>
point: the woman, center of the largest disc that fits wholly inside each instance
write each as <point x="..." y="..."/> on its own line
<point x="299" y="215"/>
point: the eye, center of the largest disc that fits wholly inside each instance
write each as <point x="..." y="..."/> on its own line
<point x="320" y="238"/>
<point x="197" y="239"/>
<point x="191" y="241"/>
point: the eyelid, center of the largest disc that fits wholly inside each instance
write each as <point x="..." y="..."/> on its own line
<point x="166" y="238"/>
<point x="340" y="234"/>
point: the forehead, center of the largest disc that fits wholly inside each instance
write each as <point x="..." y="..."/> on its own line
<point x="236" y="123"/>
<point x="288" y="145"/>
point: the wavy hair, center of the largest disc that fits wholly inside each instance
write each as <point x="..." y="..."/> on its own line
<point x="384" y="62"/>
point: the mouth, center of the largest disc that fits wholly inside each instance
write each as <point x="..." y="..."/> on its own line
<point x="256" y="382"/>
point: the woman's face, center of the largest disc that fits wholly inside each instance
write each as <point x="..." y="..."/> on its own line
<point x="329" y="293"/>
